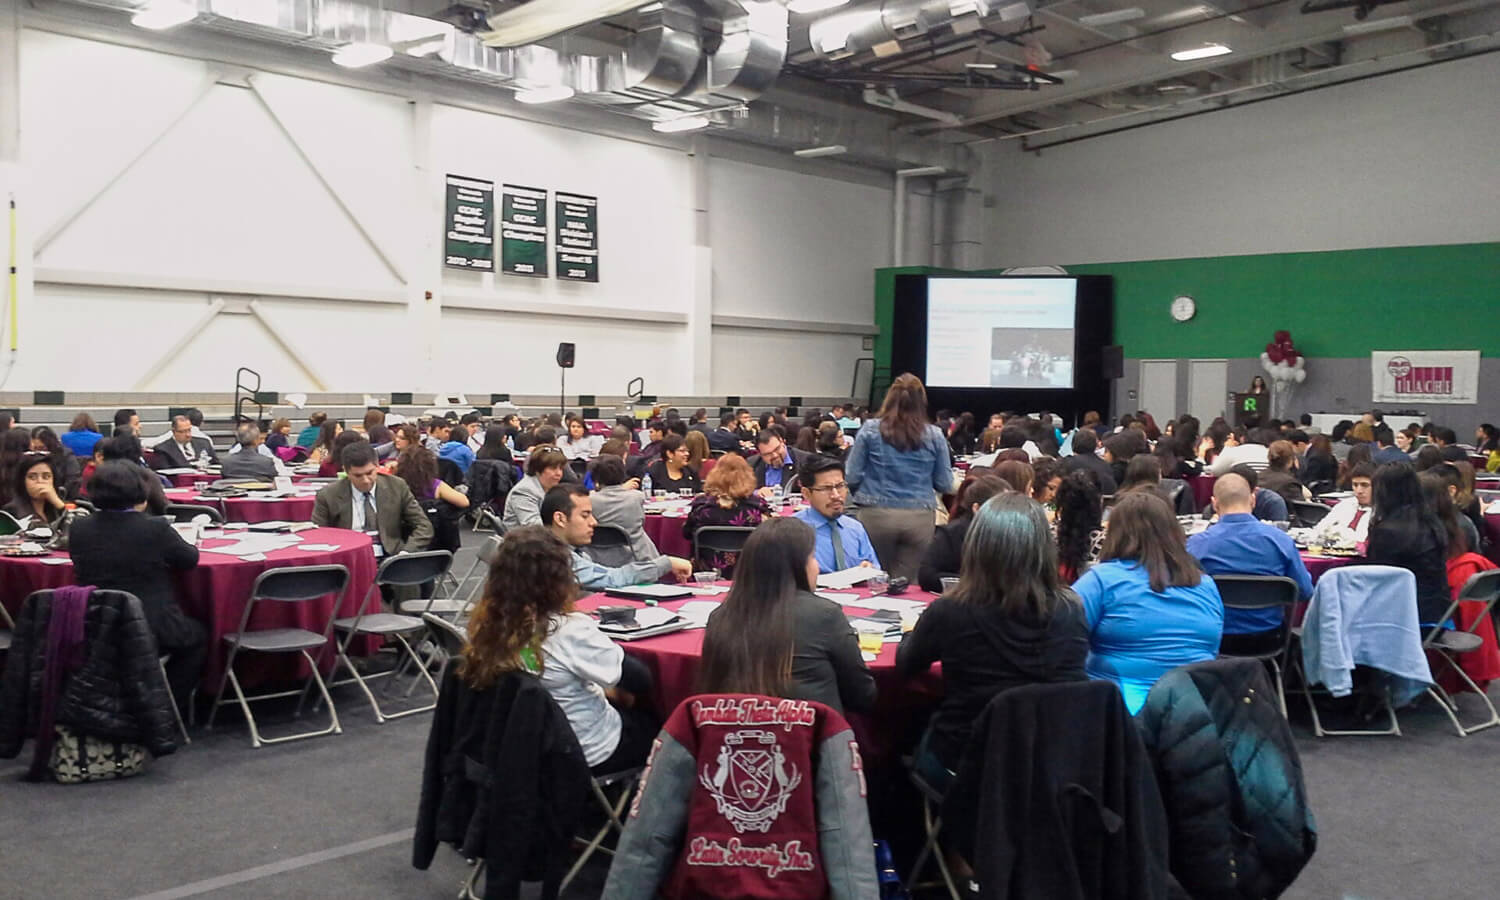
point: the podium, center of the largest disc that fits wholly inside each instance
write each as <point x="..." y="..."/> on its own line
<point x="1251" y="406"/>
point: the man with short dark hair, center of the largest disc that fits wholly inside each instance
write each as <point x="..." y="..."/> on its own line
<point x="182" y="449"/>
<point x="775" y="463"/>
<point x="1353" y="514"/>
<point x="568" y="512"/>
<point x="473" y="429"/>
<point x="127" y="422"/>
<point x="1252" y="452"/>
<point x="438" y="430"/>
<point x="1385" y="449"/>
<point x="839" y="541"/>
<point x="1085" y="443"/>
<point x="1446" y="440"/>
<point x="381" y="506"/>
<point x="1269" y="506"/>
<point x="745" y="425"/>
<point x="726" y="437"/>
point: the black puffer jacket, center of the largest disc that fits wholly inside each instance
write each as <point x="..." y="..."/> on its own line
<point x="1231" y="780"/>
<point x="119" y="692"/>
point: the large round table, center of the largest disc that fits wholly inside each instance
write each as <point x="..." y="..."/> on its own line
<point x="252" y="507"/>
<point x="216" y="590"/>
<point x="1317" y="563"/>
<point x="665" y="528"/>
<point x="1492" y="531"/>
<point x="900" y="706"/>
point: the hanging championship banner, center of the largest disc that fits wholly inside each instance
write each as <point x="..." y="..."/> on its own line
<point x="577" y="242"/>
<point x="523" y="231"/>
<point x="1427" y="376"/>
<point x="469" y="224"/>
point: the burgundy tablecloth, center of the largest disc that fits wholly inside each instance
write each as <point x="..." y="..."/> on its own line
<point x="215" y="593"/>
<point x="188" y="479"/>
<point x="1318" y="564"/>
<point x="666" y="532"/>
<point x="251" y="508"/>
<point x="901" y="703"/>
<point x="1202" y="487"/>
<point x="1492" y="530"/>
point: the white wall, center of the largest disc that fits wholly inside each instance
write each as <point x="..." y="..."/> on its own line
<point x="1405" y="159"/>
<point x="156" y="188"/>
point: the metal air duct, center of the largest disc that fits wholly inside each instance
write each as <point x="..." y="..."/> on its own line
<point x="879" y="27"/>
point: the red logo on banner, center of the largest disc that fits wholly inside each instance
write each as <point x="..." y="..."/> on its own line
<point x="1424" y="379"/>
<point x="1399" y="366"/>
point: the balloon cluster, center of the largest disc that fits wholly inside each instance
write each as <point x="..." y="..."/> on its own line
<point x="1282" y="361"/>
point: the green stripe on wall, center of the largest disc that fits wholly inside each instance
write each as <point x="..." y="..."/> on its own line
<point x="1341" y="303"/>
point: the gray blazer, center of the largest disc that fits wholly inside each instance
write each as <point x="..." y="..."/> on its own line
<point x="523" y="505"/>
<point x="400" y="519"/>
<point x="620" y="507"/>
<point x="248" y="463"/>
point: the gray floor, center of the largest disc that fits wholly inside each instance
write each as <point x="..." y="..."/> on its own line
<point x="1401" y="818"/>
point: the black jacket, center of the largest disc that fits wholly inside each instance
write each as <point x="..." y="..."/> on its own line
<point x="944" y="555"/>
<point x="728" y="441"/>
<point x="1092" y="463"/>
<point x="985" y="651"/>
<point x="789" y="465"/>
<point x="826" y="662"/>
<point x="1230" y="779"/>
<point x="489" y="481"/>
<point x="126" y="551"/>
<point x="1404" y="540"/>
<point x="1056" y="799"/>
<point x="504" y="780"/>
<point x="119" y="692"/>
<point x="170" y="455"/>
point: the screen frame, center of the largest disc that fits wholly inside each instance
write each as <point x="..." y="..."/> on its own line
<point x="960" y="277"/>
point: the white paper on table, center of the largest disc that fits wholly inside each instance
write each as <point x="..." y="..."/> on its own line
<point x="709" y="590"/>
<point x="695" y="611"/>
<point x="252" y="557"/>
<point x="886" y="604"/>
<point x="180" y="470"/>
<point x="871" y="626"/>
<point x="664" y="591"/>
<point x="868" y="656"/>
<point x="652" y="616"/>
<point x="840" y="599"/>
<point x="847" y="578"/>
<point x="55" y="561"/>
<point x="316" y="548"/>
<point x="1493" y="509"/>
<point x="283" y="483"/>
<point x="251" y="542"/>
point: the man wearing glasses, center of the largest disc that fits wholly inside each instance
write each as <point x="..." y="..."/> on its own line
<point x="839" y="542"/>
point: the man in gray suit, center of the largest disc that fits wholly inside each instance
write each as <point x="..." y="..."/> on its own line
<point x="247" y="461"/>
<point x="368" y="501"/>
<point x="617" y="506"/>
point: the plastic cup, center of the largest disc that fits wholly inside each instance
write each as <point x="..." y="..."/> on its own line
<point x="871" y="642"/>
<point x="878" y="583"/>
<point x="708" y="577"/>
<point x="949" y="584"/>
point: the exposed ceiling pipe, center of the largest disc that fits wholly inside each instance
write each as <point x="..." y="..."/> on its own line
<point x="879" y="27"/>
<point x="542" y="19"/>
<point x="898" y="224"/>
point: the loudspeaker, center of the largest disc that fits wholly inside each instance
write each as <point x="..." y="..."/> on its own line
<point x="47" y="398"/>
<point x="399" y="398"/>
<point x="565" y="355"/>
<point x="590" y="412"/>
<point x="1112" y="362"/>
<point x="587" y="400"/>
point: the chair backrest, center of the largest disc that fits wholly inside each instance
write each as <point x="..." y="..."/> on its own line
<point x="610" y="547"/>
<point x="722" y="538"/>
<point x="1482" y="587"/>
<point x="294" y="584"/>
<point x="8" y="523"/>
<point x="610" y="536"/>
<point x="490" y="548"/>
<point x="414" y="568"/>
<point x="448" y="635"/>
<point x="84" y="505"/>
<point x="1262" y="592"/>
<point x="187" y="512"/>
<point x="1308" y="513"/>
<point x="792" y="485"/>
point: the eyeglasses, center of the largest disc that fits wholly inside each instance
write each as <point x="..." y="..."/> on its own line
<point x="838" y="488"/>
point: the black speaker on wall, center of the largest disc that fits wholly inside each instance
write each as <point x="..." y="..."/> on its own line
<point x="1112" y="361"/>
<point x="565" y="355"/>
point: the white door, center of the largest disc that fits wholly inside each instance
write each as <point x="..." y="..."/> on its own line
<point x="1158" y="394"/>
<point x="1208" y="388"/>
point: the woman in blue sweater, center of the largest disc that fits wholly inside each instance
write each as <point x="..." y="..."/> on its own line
<point x="1150" y="608"/>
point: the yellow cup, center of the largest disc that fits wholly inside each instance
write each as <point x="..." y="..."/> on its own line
<point x="870" y="642"/>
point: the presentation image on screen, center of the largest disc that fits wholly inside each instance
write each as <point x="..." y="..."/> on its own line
<point x="1000" y="332"/>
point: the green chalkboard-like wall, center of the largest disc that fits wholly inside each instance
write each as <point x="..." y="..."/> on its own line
<point x="1339" y="304"/>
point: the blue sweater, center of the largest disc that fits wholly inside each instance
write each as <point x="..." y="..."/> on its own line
<point x="1136" y="634"/>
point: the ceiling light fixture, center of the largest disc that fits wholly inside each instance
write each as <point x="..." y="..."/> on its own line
<point x="677" y="126"/>
<point x="1204" y="52"/>
<point x="1368" y="27"/>
<point x="549" y="94"/>
<point x="360" y="54"/>
<point x="981" y="66"/>
<point x="538" y="21"/>
<point x="163" y="14"/>
<point x="815" y="152"/>
<point x="803" y="7"/>
<point x="1013" y="11"/>
<point x="1113" y="17"/>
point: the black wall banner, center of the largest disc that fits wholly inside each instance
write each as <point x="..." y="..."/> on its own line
<point x="469" y="223"/>
<point x="577" y="241"/>
<point x="523" y="231"/>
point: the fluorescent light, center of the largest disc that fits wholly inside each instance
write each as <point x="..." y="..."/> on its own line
<point x="1368" y="27"/>
<point x="980" y="66"/>
<point x="164" y="14"/>
<point x="814" y="152"/>
<point x="685" y="123"/>
<point x="1113" y="17"/>
<point x="1204" y="52"/>
<point x="802" y="7"/>
<point x="1013" y="11"/>
<point x="538" y="21"/>
<point x="361" y="53"/>
<point x="549" y="94"/>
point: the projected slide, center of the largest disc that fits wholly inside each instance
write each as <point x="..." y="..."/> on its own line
<point x="1000" y="332"/>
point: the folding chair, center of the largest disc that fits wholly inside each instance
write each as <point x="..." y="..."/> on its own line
<point x="610" y="547"/>
<point x="8" y="632"/>
<point x="284" y="585"/>
<point x="483" y="558"/>
<point x="626" y="781"/>
<point x="932" y="826"/>
<point x="1261" y="592"/>
<point x="447" y="638"/>
<point x="1447" y="644"/>
<point x="162" y="661"/>
<point x="486" y="521"/>
<point x="8" y="523"/>
<point x="1306" y="513"/>
<point x="719" y="539"/>
<point x="405" y="569"/>
<point x="186" y="512"/>
<point x="793" y="485"/>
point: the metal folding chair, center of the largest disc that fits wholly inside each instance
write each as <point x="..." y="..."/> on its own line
<point x="1306" y="513"/>
<point x="600" y="785"/>
<point x="1447" y="644"/>
<point x="610" y="547"/>
<point x="284" y="585"/>
<point x="448" y="640"/>
<point x="484" y="558"/>
<point x="720" y="539"/>
<point x="186" y="512"/>
<point x="932" y="826"/>
<point x="161" y="661"/>
<point x="1261" y="592"/>
<point x="402" y="570"/>
<point x="7" y="633"/>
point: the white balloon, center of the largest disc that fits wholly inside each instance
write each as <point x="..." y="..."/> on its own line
<point x="1265" y="357"/>
<point x="1301" y="375"/>
<point x="1300" y="361"/>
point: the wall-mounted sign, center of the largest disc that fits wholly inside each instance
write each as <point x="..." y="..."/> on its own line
<point x="1427" y="376"/>
<point x="523" y="231"/>
<point x="577" y="241"/>
<point x="469" y="223"/>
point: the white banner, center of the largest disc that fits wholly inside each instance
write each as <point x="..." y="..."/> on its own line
<point x="1427" y="376"/>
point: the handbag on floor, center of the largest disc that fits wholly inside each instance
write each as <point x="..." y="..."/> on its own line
<point x="76" y="759"/>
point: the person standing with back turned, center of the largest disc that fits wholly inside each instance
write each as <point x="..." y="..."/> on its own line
<point x="898" y="466"/>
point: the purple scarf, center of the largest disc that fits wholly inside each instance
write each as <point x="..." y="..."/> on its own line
<point x="65" y="653"/>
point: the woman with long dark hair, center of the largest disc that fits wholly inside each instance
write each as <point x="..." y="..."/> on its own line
<point x="1143" y="472"/>
<point x="1460" y="531"/>
<point x="1150" y="606"/>
<point x="1258" y="386"/>
<point x="1320" y="468"/>
<point x="36" y="491"/>
<point x="14" y="444"/>
<point x="964" y="439"/>
<point x="1406" y="532"/>
<point x="323" y="447"/>
<point x="1359" y="454"/>
<point x="945" y="554"/>
<point x="1079" y="524"/>
<point x="830" y="440"/>
<point x="67" y="466"/>
<point x="773" y="636"/>
<point x="1008" y="623"/>
<point x="899" y="465"/>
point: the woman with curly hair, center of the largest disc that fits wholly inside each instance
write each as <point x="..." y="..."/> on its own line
<point x="1080" y="510"/>
<point x="525" y="621"/>
<point x="728" y="498"/>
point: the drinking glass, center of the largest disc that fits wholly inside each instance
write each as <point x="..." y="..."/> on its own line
<point x="949" y="584"/>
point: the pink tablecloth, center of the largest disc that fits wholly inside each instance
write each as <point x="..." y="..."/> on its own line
<point x="188" y="479"/>
<point x="900" y="705"/>
<point x="1317" y="564"/>
<point x="666" y="532"/>
<point x="1202" y="487"/>
<point x="215" y="592"/>
<point x="250" y="508"/>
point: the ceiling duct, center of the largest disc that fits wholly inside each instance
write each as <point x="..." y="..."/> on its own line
<point x="879" y="27"/>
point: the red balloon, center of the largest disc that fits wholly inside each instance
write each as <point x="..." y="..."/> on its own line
<point x="1276" y="354"/>
<point x="1283" y="337"/>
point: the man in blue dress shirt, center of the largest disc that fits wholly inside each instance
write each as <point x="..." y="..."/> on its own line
<point x="1240" y="544"/>
<point x="839" y="542"/>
